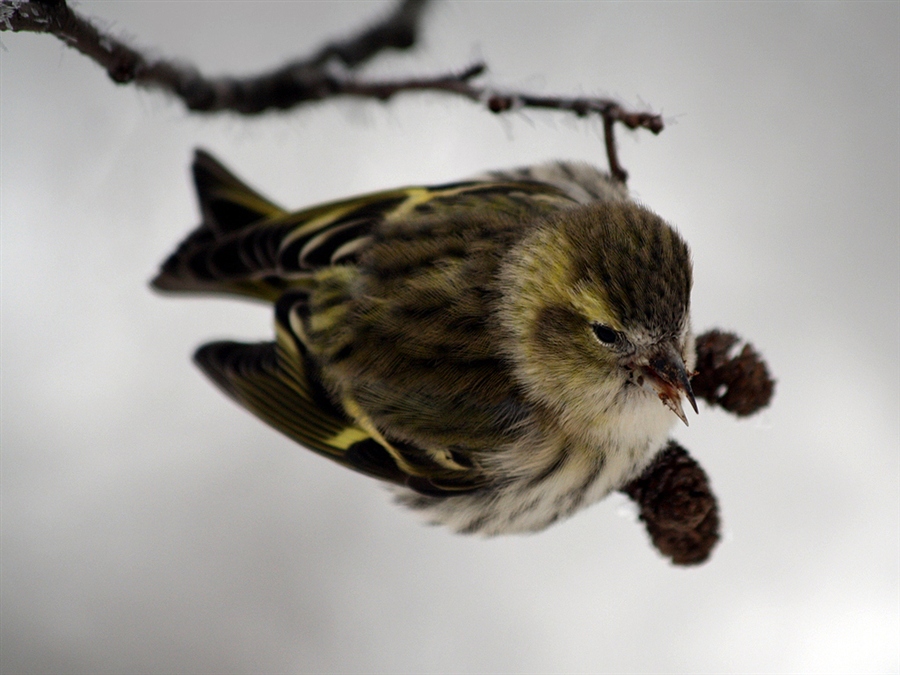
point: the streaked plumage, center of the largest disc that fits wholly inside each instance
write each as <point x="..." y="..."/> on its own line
<point x="496" y="349"/>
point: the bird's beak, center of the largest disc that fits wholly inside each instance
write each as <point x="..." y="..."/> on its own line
<point x="665" y="373"/>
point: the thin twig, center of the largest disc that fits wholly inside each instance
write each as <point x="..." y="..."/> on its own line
<point x="499" y="102"/>
<point x="397" y="31"/>
<point x="305" y="80"/>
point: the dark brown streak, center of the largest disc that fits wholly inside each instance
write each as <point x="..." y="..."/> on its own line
<point x="476" y="524"/>
<point x="581" y="491"/>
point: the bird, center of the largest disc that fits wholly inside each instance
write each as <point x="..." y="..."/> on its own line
<point x="501" y="351"/>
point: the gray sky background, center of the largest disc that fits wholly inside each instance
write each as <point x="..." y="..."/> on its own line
<point x="150" y="525"/>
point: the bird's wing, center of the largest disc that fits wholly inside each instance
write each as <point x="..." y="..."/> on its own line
<point x="279" y="384"/>
<point x="246" y="245"/>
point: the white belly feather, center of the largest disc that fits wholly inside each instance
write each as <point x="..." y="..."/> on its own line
<point x="556" y="483"/>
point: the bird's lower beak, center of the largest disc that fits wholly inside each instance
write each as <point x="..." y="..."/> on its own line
<point x="665" y="373"/>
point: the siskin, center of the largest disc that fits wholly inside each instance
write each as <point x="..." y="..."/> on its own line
<point x="503" y="351"/>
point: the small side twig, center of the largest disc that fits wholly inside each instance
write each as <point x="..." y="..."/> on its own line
<point x="399" y="30"/>
<point x="611" y="112"/>
<point x="305" y="80"/>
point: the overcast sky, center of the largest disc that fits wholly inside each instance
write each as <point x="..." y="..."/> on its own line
<point x="151" y="525"/>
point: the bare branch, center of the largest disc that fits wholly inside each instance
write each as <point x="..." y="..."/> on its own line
<point x="304" y="80"/>
<point x="499" y="102"/>
<point x="295" y="83"/>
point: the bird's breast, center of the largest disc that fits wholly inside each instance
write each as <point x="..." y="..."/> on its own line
<point x="550" y="473"/>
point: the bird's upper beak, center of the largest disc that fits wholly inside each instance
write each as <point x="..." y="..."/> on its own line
<point x="665" y="373"/>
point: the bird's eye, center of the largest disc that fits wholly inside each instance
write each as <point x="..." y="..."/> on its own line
<point x="605" y="334"/>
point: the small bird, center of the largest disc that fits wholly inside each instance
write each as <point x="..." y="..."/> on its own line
<point x="502" y="351"/>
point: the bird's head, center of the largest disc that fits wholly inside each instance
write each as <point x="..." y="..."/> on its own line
<point x="596" y="309"/>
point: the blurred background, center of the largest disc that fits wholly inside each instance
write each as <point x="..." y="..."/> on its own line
<point x="151" y="525"/>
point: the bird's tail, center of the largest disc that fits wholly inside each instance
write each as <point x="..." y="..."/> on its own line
<point x="214" y="257"/>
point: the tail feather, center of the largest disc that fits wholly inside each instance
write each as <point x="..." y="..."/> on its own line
<point x="249" y="246"/>
<point x="226" y="202"/>
<point x="204" y="261"/>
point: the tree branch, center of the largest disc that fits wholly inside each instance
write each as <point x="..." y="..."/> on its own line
<point x="305" y="80"/>
<point x="292" y="84"/>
